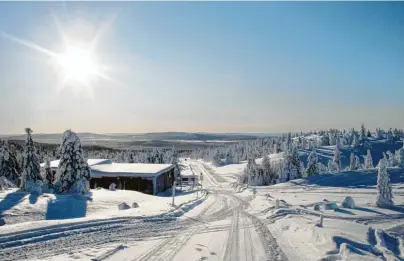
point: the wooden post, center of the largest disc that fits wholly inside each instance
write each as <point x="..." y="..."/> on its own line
<point x="173" y="189"/>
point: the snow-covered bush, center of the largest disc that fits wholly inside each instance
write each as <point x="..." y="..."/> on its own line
<point x="123" y="206"/>
<point x="348" y="203"/>
<point x="73" y="168"/>
<point x="384" y="192"/>
<point x="135" y="205"/>
<point x="30" y="162"/>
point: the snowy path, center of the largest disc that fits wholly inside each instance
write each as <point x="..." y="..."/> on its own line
<point x="218" y="229"/>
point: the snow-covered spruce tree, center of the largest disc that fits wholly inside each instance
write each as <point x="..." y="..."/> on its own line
<point x="352" y="162"/>
<point x="331" y="166"/>
<point x="48" y="172"/>
<point x="269" y="176"/>
<point x="30" y="163"/>
<point x="389" y="136"/>
<point x="368" y="161"/>
<point x="216" y="160"/>
<point x="357" y="162"/>
<point x="73" y="173"/>
<point x="312" y="164"/>
<point x="355" y="141"/>
<point x="337" y="159"/>
<point x="400" y="156"/>
<point x="384" y="192"/>
<point x="362" y="135"/>
<point x="392" y="159"/>
<point x="292" y="165"/>
<point x="8" y="165"/>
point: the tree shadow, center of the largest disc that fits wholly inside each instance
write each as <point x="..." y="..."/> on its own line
<point x="66" y="206"/>
<point x="397" y="208"/>
<point x="355" y="247"/>
<point x="369" y="210"/>
<point x="364" y="179"/>
<point x="344" y="211"/>
<point x="10" y="200"/>
<point x="33" y="198"/>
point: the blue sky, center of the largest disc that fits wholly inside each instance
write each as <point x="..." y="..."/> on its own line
<point x="206" y="66"/>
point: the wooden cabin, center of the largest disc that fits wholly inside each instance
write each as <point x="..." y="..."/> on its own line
<point x="146" y="178"/>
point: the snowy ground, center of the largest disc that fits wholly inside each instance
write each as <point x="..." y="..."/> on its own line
<point x="227" y="223"/>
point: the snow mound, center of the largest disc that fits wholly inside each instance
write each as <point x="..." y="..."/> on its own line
<point x="6" y="184"/>
<point x="123" y="206"/>
<point x="348" y="202"/>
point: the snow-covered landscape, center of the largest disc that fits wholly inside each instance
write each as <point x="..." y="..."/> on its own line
<point x="201" y="131"/>
<point x="347" y="209"/>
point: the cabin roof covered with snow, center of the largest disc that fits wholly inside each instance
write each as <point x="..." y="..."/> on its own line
<point x="90" y="162"/>
<point x="129" y="170"/>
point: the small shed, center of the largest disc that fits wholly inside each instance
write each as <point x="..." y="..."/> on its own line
<point x="189" y="178"/>
<point x="146" y="178"/>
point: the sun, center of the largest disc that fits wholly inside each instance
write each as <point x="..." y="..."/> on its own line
<point x="78" y="64"/>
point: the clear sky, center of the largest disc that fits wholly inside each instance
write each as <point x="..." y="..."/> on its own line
<point x="207" y="66"/>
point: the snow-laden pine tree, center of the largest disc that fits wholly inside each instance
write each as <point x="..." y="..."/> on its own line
<point x="384" y="192"/>
<point x="268" y="173"/>
<point x="216" y="159"/>
<point x="392" y="159"/>
<point x="362" y="135"/>
<point x="73" y="174"/>
<point x="389" y="136"/>
<point x="355" y="141"/>
<point x="292" y="164"/>
<point x="312" y="164"/>
<point x="9" y="166"/>
<point x="379" y="133"/>
<point x="400" y="156"/>
<point x="357" y="162"/>
<point x="352" y="162"/>
<point x="30" y="163"/>
<point x="368" y="161"/>
<point x="337" y="159"/>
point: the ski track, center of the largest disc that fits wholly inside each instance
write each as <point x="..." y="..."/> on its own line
<point x="173" y="232"/>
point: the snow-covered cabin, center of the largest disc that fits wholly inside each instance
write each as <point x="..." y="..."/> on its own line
<point x="147" y="178"/>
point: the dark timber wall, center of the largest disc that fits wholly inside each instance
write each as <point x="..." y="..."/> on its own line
<point x="144" y="185"/>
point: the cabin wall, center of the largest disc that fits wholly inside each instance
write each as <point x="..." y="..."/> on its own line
<point x="165" y="181"/>
<point x="127" y="183"/>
